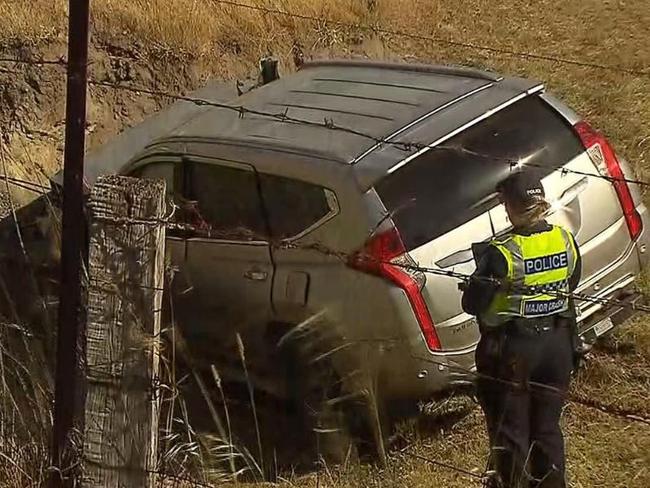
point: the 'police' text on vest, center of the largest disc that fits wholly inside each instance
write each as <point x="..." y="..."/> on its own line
<point x="546" y="263"/>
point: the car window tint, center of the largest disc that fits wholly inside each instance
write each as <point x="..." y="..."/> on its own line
<point x="223" y="202"/>
<point x="293" y="206"/>
<point x="452" y="184"/>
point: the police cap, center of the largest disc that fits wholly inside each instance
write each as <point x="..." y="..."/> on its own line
<point x="521" y="187"/>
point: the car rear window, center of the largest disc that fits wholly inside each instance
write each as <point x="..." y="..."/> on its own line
<point x="454" y="183"/>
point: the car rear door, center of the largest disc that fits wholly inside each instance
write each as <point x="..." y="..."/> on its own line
<point x="298" y="211"/>
<point x="228" y="260"/>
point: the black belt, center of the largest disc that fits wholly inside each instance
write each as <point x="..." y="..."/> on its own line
<point x="539" y="325"/>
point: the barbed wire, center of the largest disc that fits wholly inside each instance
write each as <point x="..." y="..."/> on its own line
<point x="612" y="410"/>
<point x="462" y="471"/>
<point x="464" y="277"/>
<point x="378" y="29"/>
<point x="242" y="111"/>
<point x="330" y="124"/>
<point x="515" y="164"/>
<point x="346" y="257"/>
<point x="383" y="30"/>
<point x="437" y="40"/>
<point x="609" y="409"/>
<point x="523" y="289"/>
<point x="406" y="146"/>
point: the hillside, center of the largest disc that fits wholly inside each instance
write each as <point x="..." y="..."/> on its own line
<point x="173" y="46"/>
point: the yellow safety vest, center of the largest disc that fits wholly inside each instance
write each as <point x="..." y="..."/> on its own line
<point x="539" y="268"/>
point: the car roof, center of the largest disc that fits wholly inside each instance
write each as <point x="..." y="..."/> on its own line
<point x="371" y="98"/>
<point x="349" y="107"/>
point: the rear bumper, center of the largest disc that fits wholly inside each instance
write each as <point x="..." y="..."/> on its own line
<point x="607" y="319"/>
<point x="421" y="374"/>
<point x="618" y="280"/>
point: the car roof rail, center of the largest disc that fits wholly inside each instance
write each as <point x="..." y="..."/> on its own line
<point x="450" y="70"/>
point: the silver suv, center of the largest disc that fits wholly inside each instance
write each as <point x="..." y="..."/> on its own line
<point x="297" y="224"/>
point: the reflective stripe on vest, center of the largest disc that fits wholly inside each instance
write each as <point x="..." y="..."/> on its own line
<point x="539" y="268"/>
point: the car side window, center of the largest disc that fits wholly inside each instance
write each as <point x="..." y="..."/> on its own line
<point x="294" y="206"/>
<point x="223" y="202"/>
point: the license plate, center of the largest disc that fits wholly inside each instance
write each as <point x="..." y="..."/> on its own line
<point x="603" y="327"/>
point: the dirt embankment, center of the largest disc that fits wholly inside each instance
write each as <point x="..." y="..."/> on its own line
<point x="32" y="106"/>
<point x="160" y="45"/>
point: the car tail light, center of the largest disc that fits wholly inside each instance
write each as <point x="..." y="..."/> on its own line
<point x="604" y="156"/>
<point x="384" y="255"/>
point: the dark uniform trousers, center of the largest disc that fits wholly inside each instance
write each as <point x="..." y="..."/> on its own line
<point x="523" y="417"/>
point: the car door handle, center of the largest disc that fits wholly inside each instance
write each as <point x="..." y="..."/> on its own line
<point x="568" y="196"/>
<point x="459" y="257"/>
<point x="573" y="192"/>
<point x="256" y="274"/>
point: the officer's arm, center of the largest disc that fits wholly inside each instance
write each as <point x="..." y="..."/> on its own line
<point x="574" y="280"/>
<point x="480" y="292"/>
<point x="578" y="345"/>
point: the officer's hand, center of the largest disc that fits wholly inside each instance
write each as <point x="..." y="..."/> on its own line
<point x="581" y="352"/>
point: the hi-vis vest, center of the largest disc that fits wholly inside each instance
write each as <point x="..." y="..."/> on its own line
<point x="539" y="268"/>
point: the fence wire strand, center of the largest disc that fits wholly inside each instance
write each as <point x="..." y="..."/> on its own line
<point x="35" y="62"/>
<point x="329" y="123"/>
<point x="348" y="257"/>
<point x="345" y="257"/>
<point x="378" y="29"/>
<point x="406" y="146"/>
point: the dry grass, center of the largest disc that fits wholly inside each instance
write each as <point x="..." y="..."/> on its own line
<point x="602" y="450"/>
<point x="24" y="409"/>
<point x="225" y="41"/>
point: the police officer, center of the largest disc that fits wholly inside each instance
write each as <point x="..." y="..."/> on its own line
<point x="528" y="336"/>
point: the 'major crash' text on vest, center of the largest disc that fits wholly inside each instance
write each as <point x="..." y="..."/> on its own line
<point x="543" y="307"/>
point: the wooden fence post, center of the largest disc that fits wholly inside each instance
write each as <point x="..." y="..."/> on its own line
<point x="126" y="275"/>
